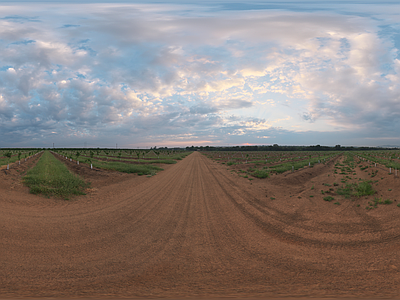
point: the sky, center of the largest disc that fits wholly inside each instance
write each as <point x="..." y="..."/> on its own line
<point x="183" y="73"/>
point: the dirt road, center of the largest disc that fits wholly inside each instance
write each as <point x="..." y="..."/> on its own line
<point x="194" y="230"/>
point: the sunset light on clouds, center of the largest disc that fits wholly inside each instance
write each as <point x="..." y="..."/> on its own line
<point x="181" y="73"/>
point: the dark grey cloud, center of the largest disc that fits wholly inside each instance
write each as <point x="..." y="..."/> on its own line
<point x="70" y="26"/>
<point x="24" y="42"/>
<point x="20" y="19"/>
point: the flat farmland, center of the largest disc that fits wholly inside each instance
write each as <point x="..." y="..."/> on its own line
<point x="206" y="228"/>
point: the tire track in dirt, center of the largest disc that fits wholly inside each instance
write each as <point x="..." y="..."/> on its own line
<point x="188" y="231"/>
<point x="276" y="223"/>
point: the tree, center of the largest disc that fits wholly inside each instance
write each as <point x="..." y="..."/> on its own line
<point x="89" y="160"/>
<point x="8" y="154"/>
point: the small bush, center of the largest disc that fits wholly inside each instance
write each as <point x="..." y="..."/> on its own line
<point x="364" y="189"/>
<point x="329" y="198"/>
<point x="261" y="174"/>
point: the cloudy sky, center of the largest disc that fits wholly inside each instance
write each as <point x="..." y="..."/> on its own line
<point x="181" y="73"/>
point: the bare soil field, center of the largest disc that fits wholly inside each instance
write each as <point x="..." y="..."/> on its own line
<point x="197" y="229"/>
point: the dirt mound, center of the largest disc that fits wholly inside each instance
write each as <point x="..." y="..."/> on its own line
<point x="196" y="230"/>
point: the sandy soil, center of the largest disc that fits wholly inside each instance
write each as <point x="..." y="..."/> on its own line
<point x="198" y="230"/>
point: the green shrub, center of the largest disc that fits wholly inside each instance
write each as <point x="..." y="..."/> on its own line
<point x="364" y="189"/>
<point x="261" y="174"/>
<point x="329" y="198"/>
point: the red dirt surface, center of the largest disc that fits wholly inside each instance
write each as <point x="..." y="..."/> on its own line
<point x="196" y="230"/>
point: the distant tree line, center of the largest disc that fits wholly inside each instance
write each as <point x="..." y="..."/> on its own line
<point x="276" y="147"/>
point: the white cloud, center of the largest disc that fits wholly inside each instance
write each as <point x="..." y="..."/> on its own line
<point x="138" y="68"/>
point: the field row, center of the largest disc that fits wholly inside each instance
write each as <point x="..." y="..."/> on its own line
<point x="51" y="176"/>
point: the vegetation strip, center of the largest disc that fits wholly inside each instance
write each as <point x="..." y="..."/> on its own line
<point x="294" y="166"/>
<point x="126" y="168"/>
<point x="389" y="163"/>
<point x="122" y="160"/>
<point x="12" y="157"/>
<point x="51" y="177"/>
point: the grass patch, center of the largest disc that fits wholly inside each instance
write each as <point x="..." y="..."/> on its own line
<point x="127" y="168"/>
<point x="364" y="188"/>
<point x="377" y="201"/>
<point x="261" y="173"/>
<point x="51" y="177"/>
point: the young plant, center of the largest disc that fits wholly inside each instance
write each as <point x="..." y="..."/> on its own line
<point x="8" y="155"/>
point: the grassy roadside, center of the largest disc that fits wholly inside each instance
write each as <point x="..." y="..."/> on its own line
<point x="153" y="161"/>
<point x="126" y="168"/>
<point x="52" y="178"/>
